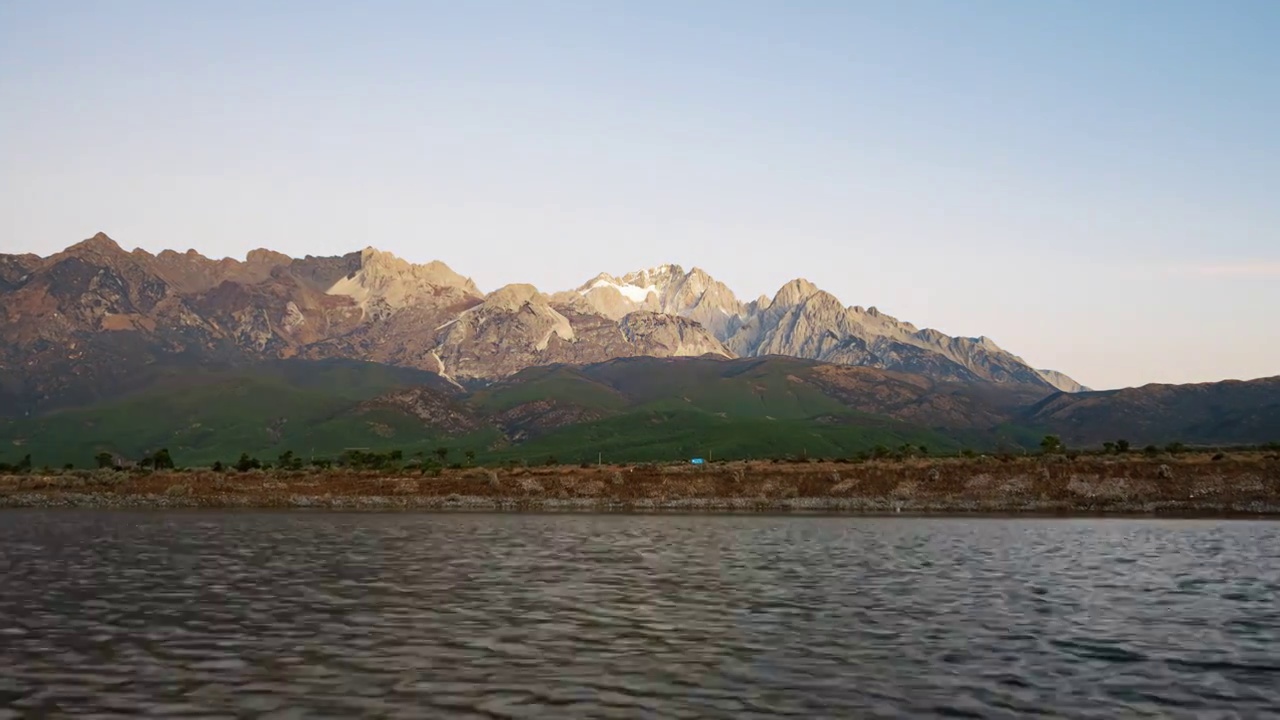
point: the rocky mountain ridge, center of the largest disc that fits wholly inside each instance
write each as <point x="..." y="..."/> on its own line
<point x="84" y="321"/>
<point x="801" y="320"/>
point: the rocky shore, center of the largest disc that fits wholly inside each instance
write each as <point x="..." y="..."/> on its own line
<point x="1239" y="484"/>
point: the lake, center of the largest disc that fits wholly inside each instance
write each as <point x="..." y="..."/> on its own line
<point x="301" y="614"/>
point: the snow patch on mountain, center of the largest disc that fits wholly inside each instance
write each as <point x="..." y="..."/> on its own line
<point x="634" y="293"/>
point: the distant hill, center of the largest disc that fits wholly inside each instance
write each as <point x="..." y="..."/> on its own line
<point x="1227" y="412"/>
<point x="627" y="409"/>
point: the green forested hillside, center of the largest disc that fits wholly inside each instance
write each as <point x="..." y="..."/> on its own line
<point x="203" y="416"/>
<point x="636" y="409"/>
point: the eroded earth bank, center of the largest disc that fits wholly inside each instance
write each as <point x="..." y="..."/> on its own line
<point x="1245" y="483"/>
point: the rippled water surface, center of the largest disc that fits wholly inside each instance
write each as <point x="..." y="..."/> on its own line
<point x="462" y="615"/>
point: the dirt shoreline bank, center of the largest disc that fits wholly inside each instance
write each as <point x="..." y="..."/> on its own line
<point x="1247" y="484"/>
<point x="714" y="507"/>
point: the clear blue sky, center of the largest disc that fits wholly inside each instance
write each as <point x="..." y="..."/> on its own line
<point x="1095" y="185"/>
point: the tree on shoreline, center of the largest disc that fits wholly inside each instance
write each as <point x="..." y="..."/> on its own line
<point x="288" y="461"/>
<point x="161" y="460"/>
<point x="24" y="465"/>
<point x="246" y="463"/>
<point x="1052" y="444"/>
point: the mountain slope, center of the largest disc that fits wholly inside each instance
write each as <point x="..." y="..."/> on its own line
<point x="1227" y="412"/>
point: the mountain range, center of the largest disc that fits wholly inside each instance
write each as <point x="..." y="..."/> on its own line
<point x="82" y="322"/>
<point x="126" y="351"/>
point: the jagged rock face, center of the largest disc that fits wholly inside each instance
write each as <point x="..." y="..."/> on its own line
<point x="15" y="269"/>
<point x="86" y="289"/>
<point x="670" y="290"/>
<point x="384" y="283"/>
<point x="669" y="336"/>
<point x="608" y="301"/>
<point x="517" y="327"/>
<point x="510" y="330"/>
<point x="191" y="272"/>
<point x="278" y="316"/>
<point x="88" y="318"/>
<point x="84" y="319"/>
<point x="803" y="321"/>
<point x="708" y="301"/>
<point x="321" y="273"/>
<point x="405" y="338"/>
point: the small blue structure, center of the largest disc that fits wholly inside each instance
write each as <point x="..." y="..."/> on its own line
<point x="697" y="461"/>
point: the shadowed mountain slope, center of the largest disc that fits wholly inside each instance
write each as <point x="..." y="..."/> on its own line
<point x="1227" y="412"/>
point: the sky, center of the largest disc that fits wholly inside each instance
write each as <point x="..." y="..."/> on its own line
<point x="1091" y="184"/>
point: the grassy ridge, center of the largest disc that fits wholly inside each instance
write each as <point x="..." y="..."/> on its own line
<point x="758" y="390"/>
<point x="549" y="382"/>
<point x="662" y="435"/>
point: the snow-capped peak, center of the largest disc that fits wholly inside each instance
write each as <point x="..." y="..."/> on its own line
<point x="631" y="291"/>
<point x="637" y="286"/>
